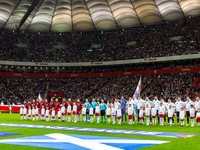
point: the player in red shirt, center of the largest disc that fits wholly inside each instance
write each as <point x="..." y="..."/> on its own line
<point x="51" y="104"/>
<point x="79" y="107"/>
<point x="57" y="106"/>
<point x="25" y="105"/>
<point x="33" y="103"/>
<point x="37" y="103"/>
<point x="71" y="103"/>
<point x="29" y="104"/>
<point x="46" y="104"/>
<point x="65" y="103"/>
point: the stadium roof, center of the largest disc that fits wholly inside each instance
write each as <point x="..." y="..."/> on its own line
<point x="67" y="15"/>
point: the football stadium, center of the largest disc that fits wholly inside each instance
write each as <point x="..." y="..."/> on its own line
<point x="100" y="74"/>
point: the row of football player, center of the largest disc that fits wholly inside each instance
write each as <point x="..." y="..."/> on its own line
<point x="149" y="113"/>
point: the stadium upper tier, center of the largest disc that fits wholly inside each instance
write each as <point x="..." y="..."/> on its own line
<point x="68" y="15"/>
<point x="172" y="38"/>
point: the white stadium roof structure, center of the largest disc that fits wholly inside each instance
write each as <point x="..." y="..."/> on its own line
<point x="68" y="15"/>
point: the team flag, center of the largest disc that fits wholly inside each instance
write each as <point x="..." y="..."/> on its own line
<point x="136" y="95"/>
<point x="138" y="90"/>
<point x="39" y="96"/>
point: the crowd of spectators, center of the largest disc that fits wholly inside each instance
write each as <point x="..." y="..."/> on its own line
<point x="22" y="88"/>
<point x="163" y="85"/>
<point x="150" y="41"/>
<point x="173" y="85"/>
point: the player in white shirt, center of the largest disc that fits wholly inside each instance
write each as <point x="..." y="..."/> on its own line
<point x="168" y="104"/>
<point x="116" y="103"/>
<point x="165" y="106"/>
<point x="97" y="110"/>
<point x="84" y="113"/>
<point x="192" y="115"/>
<point x="140" y="104"/>
<point x="170" y="113"/>
<point x="178" y="105"/>
<point x="108" y="103"/>
<point x="21" y="112"/>
<point x="198" y="117"/>
<point x="69" y="108"/>
<point x="113" y="112"/>
<point x="157" y="105"/>
<point x="42" y="112"/>
<point x="29" y="113"/>
<point x="147" y="113"/>
<point x="75" y="112"/>
<point x="150" y="103"/>
<point x="53" y="114"/>
<point x="36" y="112"/>
<point x="25" y="113"/>
<point x="59" y="114"/>
<point x="161" y="114"/>
<point x="47" y="114"/>
<point x="119" y="114"/>
<point x="33" y="113"/>
<point x="91" y="111"/>
<point x="130" y="113"/>
<point x="188" y="103"/>
<point x="63" y="112"/>
<point x="153" y="114"/>
<point x="108" y="113"/>
<point x="182" y="116"/>
<point x="141" y="115"/>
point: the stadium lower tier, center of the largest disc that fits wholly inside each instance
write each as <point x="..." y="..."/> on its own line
<point x="166" y="85"/>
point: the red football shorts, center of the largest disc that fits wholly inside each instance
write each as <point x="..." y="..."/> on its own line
<point x="130" y="117"/>
<point x="161" y="115"/>
<point x="140" y="117"/>
<point x="153" y="116"/>
<point x="169" y="117"/>
<point x="146" y="116"/>
<point x="96" y="114"/>
<point x="182" y="119"/>
<point x="69" y="113"/>
<point x="74" y="113"/>
<point x="191" y="117"/>
<point x="108" y="116"/>
<point x="56" y="111"/>
<point x="79" y="112"/>
<point x="119" y="117"/>
<point x="198" y="119"/>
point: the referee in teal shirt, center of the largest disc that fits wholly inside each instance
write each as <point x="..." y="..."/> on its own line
<point x="103" y="110"/>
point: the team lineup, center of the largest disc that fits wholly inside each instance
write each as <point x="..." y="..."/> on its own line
<point x="156" y="111"/>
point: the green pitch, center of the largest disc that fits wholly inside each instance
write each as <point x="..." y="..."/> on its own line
<point x="175" y="143"/>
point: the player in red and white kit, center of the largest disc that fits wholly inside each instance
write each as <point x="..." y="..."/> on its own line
<point x="79" y="108"/>
<point x="63" y="112"/>
<point x="71" y="103"/>
<point x="56" y="106"/>
<point x="43" y="112"/>
<point x="75" y="112"/>
<point x="41" y="103"/>
<point x="51" y="105"/>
